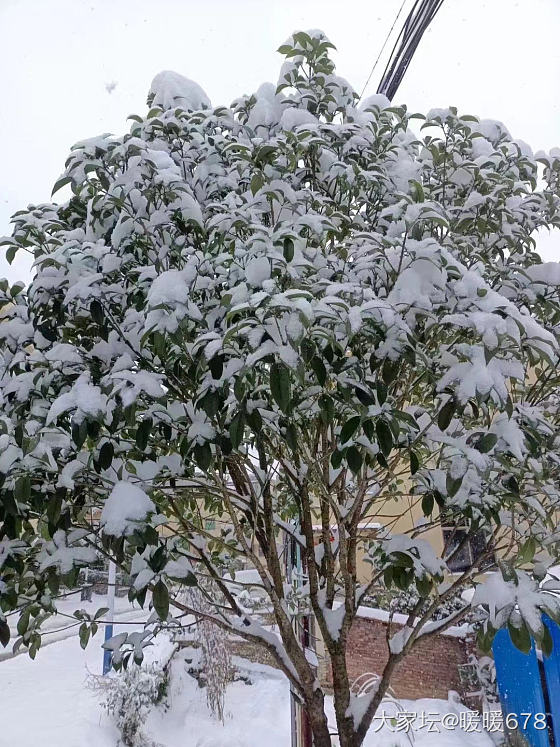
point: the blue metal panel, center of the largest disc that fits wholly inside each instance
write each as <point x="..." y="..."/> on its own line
<point x="107" y="655"/>
<point x="519" y="685"/>
<point x="552" y="672"/>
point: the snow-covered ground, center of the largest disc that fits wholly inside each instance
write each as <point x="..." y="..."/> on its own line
<point x="46" y="703"/>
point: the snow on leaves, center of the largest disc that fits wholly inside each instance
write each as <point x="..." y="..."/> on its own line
<point x="125" y="508"/>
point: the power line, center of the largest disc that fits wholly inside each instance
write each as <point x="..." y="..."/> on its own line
<point x="382" y="48"/>
<point x="418" y="20"/>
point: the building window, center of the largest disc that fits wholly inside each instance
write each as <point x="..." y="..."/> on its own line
<point x="471" y="548"/>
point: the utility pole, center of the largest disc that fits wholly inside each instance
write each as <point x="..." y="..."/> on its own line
<point x="111" y="576"/>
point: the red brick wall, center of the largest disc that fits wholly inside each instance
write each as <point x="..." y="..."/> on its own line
<point x="429" y="671"/>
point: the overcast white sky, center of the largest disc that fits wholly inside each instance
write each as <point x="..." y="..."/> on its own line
<point x="494" y="58"/>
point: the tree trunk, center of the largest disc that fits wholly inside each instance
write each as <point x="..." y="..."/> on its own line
<point x="341" y="690"/>
<point x="315" y="705"/>
<point x="378" y="697"/>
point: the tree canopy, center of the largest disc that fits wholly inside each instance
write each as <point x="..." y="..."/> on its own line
<point x="278" y="315"/>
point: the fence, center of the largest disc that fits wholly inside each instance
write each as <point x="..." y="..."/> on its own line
<point x="529" y="687"/>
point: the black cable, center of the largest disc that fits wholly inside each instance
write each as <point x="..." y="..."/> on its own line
<point x="382" y="48"/>
<point x="418" y="20"/>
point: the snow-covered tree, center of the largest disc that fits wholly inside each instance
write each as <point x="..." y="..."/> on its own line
<point x="282" y="314"/>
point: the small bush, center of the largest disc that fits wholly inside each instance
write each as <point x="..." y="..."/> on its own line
<point x="128" y="698"/>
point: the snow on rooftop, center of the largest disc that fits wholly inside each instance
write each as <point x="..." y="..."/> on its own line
<point x="361" y="525"/>
<point x="374" y="613"/>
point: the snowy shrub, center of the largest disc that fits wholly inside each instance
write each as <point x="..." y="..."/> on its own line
<point x="485" y="670"/>
<point x="257" y="322"/>
<point x="129" y="696"/>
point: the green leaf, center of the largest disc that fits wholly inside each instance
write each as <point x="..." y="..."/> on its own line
<point x="486" y="443"/>
<point x="389" y="371"/>
<point x="307" y="348"/>
<point x="446" y="414"/>
<point x="288" y="249"/>
<point x="210" y="403"/>
<point x="79" y="433"/>
<point x="11" y="253"/>
<point x="22" y="489"/>
<point x="354" y="459"/>
<point x="384" y="437"/>
<point x="62" y="182"/>
<point x="327" y="408"/>
<point x="254" y="420"/>
<point x="414" y="462"/>
<point x="382" y="461"/>
<point x="93" y="428"/>
<point x="547" y="644"/>
<point x="4" y="633"/>
<point x="236" y="428"/>
<point x="257" y="182"/>
<point x="509" y="406"/>
<point x="452" y="485"/>
<point x="427" y="504"/>
<point x="106" y="454"/>
<point x="83" y="635"/>
<point x="96" y="311"/>
<point x="159" y="345"/>
<point x="53" y="582"/>
<point x="388" y="576"/>
<point x="369" y="429"/>
<point x="16" y="289"/>
<point x="417" y="191"/>
<point x="143" y="433"/>
<point x="216" y="366"/>
<point x="160" y="599"/>
<point x="364" y="397"/>
<point x="520" y="637"/>
<point x="280" y="385"/>
<point x="512" y="485"/>
<point x="100" y="612"/>
<point x="291" y="437"/>
<point x="319" y="369"/>
<point x="23" y="622"/>
<point x="203" y="456"/>
<point x="48" y="332"/>
<point x="402" y="578"/>
<point x="349" y="428"/>
<point x="424" y="586"/>
<point x="528" y="550"/>
<point x="130" y="414"/>
<point x="336" y="459"/>
<point x="485" y="638"/>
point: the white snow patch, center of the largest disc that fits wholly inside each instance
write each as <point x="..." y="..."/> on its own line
<point x="172" y="90"/>
<point x="124" y="509"/>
